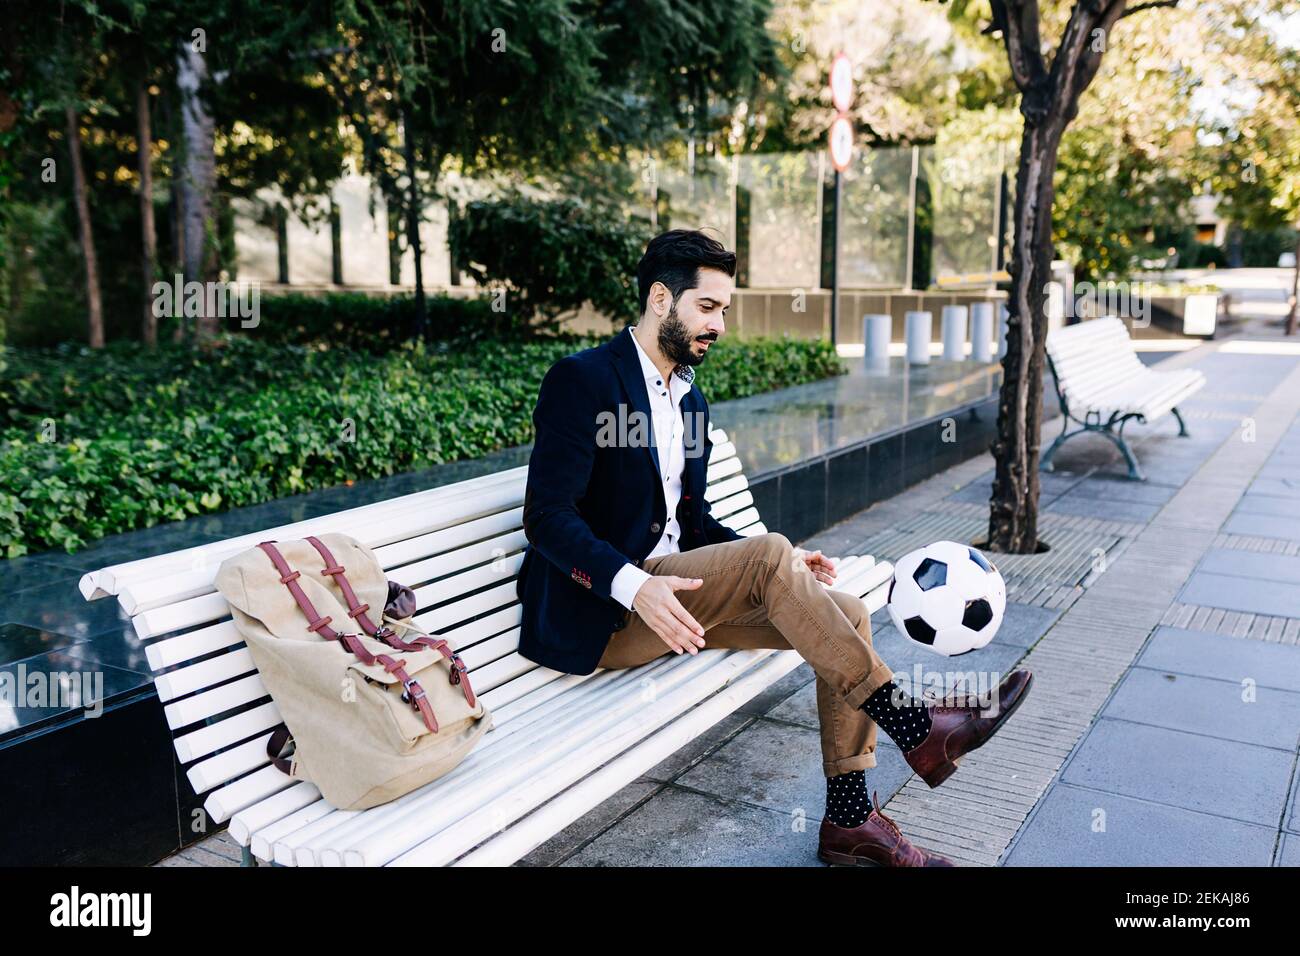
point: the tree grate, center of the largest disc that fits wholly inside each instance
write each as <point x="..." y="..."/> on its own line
<point x="1079" y="552"/>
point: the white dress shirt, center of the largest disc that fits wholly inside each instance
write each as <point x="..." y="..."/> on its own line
<point x="666" y="415"/>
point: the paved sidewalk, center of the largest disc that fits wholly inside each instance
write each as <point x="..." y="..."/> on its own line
<point x="1163" y="629"/>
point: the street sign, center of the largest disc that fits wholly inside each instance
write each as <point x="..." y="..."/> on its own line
<point x="841" y="143"/>
<point x="842" y="82"/>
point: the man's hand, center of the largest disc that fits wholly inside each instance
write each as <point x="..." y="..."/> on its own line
<point x="818" y="564"/>
<point x="664" y="614"/>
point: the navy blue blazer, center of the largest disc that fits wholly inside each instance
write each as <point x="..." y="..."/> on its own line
<point x="595" y="500"/>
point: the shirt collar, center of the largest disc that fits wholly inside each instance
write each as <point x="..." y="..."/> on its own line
<point x="652" y="374"/>
<point x="677" y="386"/>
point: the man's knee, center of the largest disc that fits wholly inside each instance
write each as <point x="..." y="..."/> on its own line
<point x="775" y="546"/>
<point x="856" y="610"/>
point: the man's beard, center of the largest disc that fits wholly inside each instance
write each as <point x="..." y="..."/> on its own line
<point x="675" y="340"/>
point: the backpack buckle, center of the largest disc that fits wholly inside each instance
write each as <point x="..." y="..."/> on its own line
<point x="457" y="667"/>
<point x="412" y="692"/>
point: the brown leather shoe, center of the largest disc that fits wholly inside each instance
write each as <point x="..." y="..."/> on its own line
<point x="878" y="841"/>
<point x="956" y="731"/>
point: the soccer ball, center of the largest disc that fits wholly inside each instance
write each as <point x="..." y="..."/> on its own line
<point x="947" y="597"/>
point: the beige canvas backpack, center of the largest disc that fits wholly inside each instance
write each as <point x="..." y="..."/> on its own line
<point x="372" y="714"/>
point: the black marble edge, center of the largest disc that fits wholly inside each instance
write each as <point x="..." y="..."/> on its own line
<point x="822" y="458"/>
<point x="17" y="736"/>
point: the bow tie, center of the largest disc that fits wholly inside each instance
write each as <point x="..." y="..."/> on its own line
<point x="685" y="372"/>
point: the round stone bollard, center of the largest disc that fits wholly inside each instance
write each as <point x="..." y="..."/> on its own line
<point x="876" y="332"/>
<point x="981" y="332"/>
<point x="953" y="332"/>
<point x="919" y="330"/>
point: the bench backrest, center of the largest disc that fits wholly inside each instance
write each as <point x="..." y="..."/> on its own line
<point x="1091" y="357"/>
<point x="459" y="546"/>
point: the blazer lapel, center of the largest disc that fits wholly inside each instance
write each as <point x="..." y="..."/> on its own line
<point x="694" y="425"/>
<point x="628" y="366"/>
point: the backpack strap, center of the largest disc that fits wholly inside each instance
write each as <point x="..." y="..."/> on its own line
<point x="412" y="692"/>
<point x="357" y="611"/>
<point x="279" y="739"/>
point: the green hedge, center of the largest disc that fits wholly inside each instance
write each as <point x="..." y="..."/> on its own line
<point x="372" y="323"/>
<point x="95" y="443"/>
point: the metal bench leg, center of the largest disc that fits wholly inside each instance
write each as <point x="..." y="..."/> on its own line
<point x="1134" y="472"/>
<point x="1045" y="460"/>
<point x="1182" y="426"/>
<point x="246" y="857"/>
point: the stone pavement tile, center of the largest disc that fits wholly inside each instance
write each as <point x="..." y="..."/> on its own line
<point x="908" y="659"/>
<point x="711" y="739"/>
<point x="590" y="824"/>
<point x="681" y="828"/>
<point x="1292" y="820"/>
<point x="1113" y="509"/>
<point x="779" y="766"/>
<point x="1277" y="487"/>
<point x="1110" y="488"/>
<point x="1241" y="594"/>
<point x="1167" y="471"/>
<point x="1024" y="624"/>
<point x="976" y="494"/>
<point x="1061" y="832"/>
<point x="1207" y="706"/>
<point x="1277" y="469"/>
<point x="1288" y="853"/>
<point x="771" y="696"/>
<point x="1223" y="777"/>
<point x="1184" y="651"/>
<point x="1284" y="568"/>
<point x="1281" y="507"/>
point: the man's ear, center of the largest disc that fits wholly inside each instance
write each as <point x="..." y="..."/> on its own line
<point x="660" y="299"/>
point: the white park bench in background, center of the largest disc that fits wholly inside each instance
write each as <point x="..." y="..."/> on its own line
<point x="1102" y="385"/>
<point x="560" y="744"/>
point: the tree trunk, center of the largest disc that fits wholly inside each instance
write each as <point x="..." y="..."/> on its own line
<point x="414" y="209"/>
<point x="148" y="239"/>
<point x="1295" y="288"/>
<point x="1013" y="515"/>
<point x="198" y="179"/>
<point x="94" y="305"/>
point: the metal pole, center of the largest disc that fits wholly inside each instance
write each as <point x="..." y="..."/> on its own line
<point x="997" y="216"/>
<point x="835" y="258"/>
<point x="911" y="217"/>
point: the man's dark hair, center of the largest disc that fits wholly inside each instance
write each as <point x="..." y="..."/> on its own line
<point x="675" y="259"/>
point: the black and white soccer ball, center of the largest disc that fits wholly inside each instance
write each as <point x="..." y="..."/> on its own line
<point x="947" y="597"/>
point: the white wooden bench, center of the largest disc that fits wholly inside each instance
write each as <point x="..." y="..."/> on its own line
<point x="1102" y="386"/>
<point x="560" y="745"/>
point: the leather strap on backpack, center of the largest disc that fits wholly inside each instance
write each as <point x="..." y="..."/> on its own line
<point x="357" y="611"/>
<point x="412" y="692"/>
<point x="279" y="739"/>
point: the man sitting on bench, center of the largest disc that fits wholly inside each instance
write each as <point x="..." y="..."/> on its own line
<point x="625" y="563"/>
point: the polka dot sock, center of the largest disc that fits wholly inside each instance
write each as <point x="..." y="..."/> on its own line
<point x="847" y="803"/>
<point x="907" y="721"/>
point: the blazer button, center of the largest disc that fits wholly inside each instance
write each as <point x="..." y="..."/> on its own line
<point x="654" y="528"/>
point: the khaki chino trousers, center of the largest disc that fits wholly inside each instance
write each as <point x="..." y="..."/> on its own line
<point x="758" y="594"/>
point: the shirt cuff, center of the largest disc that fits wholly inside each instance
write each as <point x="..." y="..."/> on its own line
<point x="626" y="583"/>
